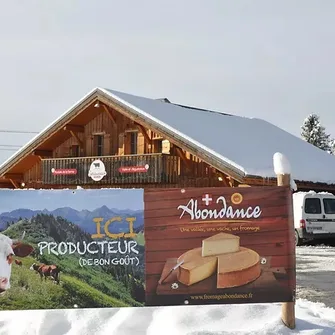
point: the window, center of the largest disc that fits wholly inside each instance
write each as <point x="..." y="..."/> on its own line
<point x="74" y="151"/>
<point x="98" y="145"/>
<point x="133" y="143"/>
<point x="312" y="206"/>
<point x="329" y="205"/>
<point x="159" y="146"/>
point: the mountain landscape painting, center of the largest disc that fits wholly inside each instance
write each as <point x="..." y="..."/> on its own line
<point x="71" y="249"/>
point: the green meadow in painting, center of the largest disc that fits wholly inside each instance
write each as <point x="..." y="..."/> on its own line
<point x="82" y="258"/>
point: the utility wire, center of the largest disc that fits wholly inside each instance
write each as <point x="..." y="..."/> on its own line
<point x="18" y="131"/>
<point x="8" y="149"/>
<point x="11" y="145"/>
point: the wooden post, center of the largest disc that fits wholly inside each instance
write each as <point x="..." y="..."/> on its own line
<point x="288" y="308"/>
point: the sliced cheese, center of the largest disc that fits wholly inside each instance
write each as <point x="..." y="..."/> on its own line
<point x="195" y="267"/>
<point x="238" y="268"/>
<point x="221" y="243"/>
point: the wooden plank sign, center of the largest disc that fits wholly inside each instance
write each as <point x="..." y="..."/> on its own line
<point x="219" y="246"/>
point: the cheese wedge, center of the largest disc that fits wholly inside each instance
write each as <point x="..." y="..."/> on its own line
<point x="238" y="268"/>
<point x="221" y="243"/>
<point x="195" y="267"/>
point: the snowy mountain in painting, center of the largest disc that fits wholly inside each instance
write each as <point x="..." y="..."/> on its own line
<point x="83" y="218"/>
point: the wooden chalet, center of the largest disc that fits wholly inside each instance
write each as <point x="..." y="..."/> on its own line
<point x="113" y="139"/>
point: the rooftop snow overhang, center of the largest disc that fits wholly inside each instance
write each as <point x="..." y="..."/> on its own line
<point x="141" y="117"/>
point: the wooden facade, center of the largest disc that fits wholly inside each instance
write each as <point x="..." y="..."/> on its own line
<point x="127" y="169"/>
<point x="133" y="156"/>
<point x="101" y="129"/>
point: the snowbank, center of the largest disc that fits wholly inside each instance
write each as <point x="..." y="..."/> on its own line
<point x="282" y="166"/>
<point x="312" y="318"/>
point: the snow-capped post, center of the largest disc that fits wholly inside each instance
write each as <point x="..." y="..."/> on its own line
<point x="282" y="170"/>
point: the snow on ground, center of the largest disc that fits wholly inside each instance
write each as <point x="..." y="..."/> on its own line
<point x="312" y="318"/>
<point x="315" y="282"/>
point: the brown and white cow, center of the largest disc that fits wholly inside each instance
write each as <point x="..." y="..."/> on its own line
<point x="8" y="249"/>
<point x="45" y="271"/>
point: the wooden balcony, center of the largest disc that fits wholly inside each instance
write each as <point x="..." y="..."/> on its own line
<point x="131" y="169"/>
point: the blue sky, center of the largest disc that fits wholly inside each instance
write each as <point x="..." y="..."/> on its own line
<point x="81" y="199"/>
<point x="267" y="59"/>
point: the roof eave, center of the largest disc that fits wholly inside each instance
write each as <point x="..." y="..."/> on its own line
<point x="301" y="183"/>
<point x="47" y="132"/>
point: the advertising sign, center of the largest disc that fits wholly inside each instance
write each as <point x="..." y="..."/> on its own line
<point x="133" y="247"/>
<point x="65" y="249"/>
<point x="219" y="246"/>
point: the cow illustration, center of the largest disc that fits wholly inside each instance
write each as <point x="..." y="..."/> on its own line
<point x="97" y="170"/>
<point x="9" y="248"/>
<point x="45" y="271"/>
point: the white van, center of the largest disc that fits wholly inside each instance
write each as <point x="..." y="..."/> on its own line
<point x="314" y="216"/>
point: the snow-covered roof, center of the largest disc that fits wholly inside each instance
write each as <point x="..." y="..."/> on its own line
<point x="245" y="145"/>
<point x="248" y="143"/>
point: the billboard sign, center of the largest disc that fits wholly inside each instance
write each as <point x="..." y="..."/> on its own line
<point x="64" y="249"/>
<point x="219" y="246"/>
<point x="133" y="247"/>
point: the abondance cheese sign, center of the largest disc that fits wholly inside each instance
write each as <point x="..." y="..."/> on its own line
<point x="134" y="247"/>
<point x="219" y="246"/>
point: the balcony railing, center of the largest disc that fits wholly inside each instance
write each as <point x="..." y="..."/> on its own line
<point x="131" y="169"/>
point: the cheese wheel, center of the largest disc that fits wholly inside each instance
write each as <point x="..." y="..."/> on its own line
<point x="195" y="267"/>
<point x="221" y="243"/>
<point x="238" y="268"/>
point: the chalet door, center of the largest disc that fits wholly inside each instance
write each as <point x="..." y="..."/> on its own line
<point x="89" y="142"/>
<point x="75" y="150"/>
<point x="98" y="145"/>
<point x="133" y="143"/>
<point x="121" y="144"/>
<point x="107" y="145"/>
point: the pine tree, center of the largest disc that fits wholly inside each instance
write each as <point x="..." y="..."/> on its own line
<point x="314" y="133"/>
<point x="332" y="146"/>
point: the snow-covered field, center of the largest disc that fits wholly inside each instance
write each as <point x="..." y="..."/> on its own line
<point x="312" y="318"/>
<point x="315" y="275"/>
